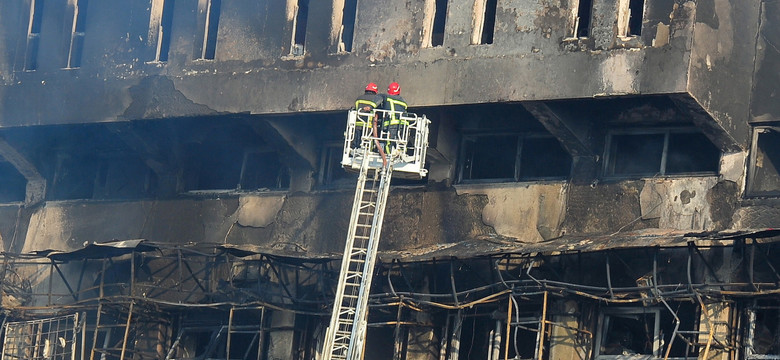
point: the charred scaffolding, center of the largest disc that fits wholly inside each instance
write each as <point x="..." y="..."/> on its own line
<point x="678" y="296"/>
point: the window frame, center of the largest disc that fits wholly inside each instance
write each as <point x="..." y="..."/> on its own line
<point x="245" y="154"/>
<point x="609" y="153"/>
<point x="521" y="140"/>
<point x="574" y="20"/>
<point x="603" y="322"/>
<point x="332" y="151"/>
<point x="248" y="152"/>
<point x="750" y="191"/>
<point x="750" y="316"/>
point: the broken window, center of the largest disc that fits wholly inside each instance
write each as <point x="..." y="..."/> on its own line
<point x="347" y="33"/>
<point x="263" y="170"/>
<point x="74" y="178"/>
<point x="211" y="11"/>
<point x="512" y="157"/>
<point x="299" y="28"/>
<point x="33" y="35"/>
<point x="660" y="152"/>
<point x="332" y="175"/>
<point x="77" y="34"/>
<point x="764" y="169"/>
<point x="648" y="332"/>
<point x="118" y="176"/>
<point x="226" y="166"/>
<point x="628" y="331"/>
<point x="484" y="21"/>
<point x="630" y="17"/>
<point x="479" y="332"/>
<point x="122" y="177"/>
<point x="763" y="330"/>
<point x="234" y="334"/>
<point x="435" y="18"/>
<point x="581" y="23"/>
<point x="57" y="338"/>
<point x="160" y="24"/>
<point x="13" y="185"/>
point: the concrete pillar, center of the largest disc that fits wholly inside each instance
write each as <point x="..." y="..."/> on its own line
<point x="281" y="342"/>
<point x="565" y="342"/>
<point x="715" y="316"/>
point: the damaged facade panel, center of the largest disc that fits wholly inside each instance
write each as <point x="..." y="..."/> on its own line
<point x="156" y="301"/>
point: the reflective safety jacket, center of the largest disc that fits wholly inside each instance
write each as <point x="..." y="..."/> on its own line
<point x="397" y="106"/>
<point x="369" y="99"/>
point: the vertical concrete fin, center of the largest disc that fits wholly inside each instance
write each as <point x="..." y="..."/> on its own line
<point x="36" y="184"/>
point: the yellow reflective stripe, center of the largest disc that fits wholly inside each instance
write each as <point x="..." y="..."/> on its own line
<point x="364" y="102"/>
<point x="358" y="103"/>
<point x="393" y="119"/>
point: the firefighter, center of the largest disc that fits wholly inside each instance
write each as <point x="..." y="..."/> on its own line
<point x="365" y="104"/>
<point x="393" y="123"/>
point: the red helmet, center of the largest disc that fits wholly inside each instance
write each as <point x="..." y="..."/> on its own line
<point x="394" y="89"/>
<point x="372" y="87"/>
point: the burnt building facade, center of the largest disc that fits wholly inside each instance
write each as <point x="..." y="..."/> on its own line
<point x="604" y="177"/>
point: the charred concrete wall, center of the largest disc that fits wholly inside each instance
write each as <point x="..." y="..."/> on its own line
<point x="697" y="49"/>
<point x="416" y="220"/>
<point x="722" y="62"/>
<point x="764" y="104"/>
<point x="531" y="57"/>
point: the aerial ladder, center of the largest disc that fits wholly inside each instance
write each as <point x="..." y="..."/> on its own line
<point x="375" y="161"/>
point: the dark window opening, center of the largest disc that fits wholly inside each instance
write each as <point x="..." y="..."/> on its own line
<point x="477" y="332"/>
<point x="648" y="331"/>
<point x="661" y="153"/>
<point x="13" y="185"/>
<point x="348" y="24"/>
<point x="74" y="178"/>
<point x="636" y="10"/>
<point x="77" y="36"/>
<point x="166" y="23"/>
<point x="691" y="153"/>
<point x="212" y="25"/>
<point x="207" y="336"/>
<point x="213" y="167"/>
<point x="88" y="177"/>
<point x="636" y="154"/>
<point x="764" y="176"/>
<point x="582" y="22"/>
<point x="225" y="166"/>
<point x="439" y="20"/>
<point x="513" y="157"/>
<point x="299" y="29"/>
<point x="763" y="331"/>
<point x="489" y="157"/>
<point x="122" y="178"/>
<point x="489" y="22"/>
<point x="332" y="175"/>
<point x="542" y="158"/>
<point x="628" y="333"/>
<point x="263" y="171"/>
<point x="380" y="341"/>
<point x="33" y="35"/>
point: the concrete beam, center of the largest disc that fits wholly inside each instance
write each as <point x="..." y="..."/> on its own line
<point x="571" y="134"/>
<point x="707" y="123"/>
<point x="298" y="149"/>
<point x="159" y="161"/>
<point x="36" y="184"/>
<point x="150" y="152"/>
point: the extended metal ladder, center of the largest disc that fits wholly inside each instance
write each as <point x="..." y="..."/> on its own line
<point x="346" y="333"/>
